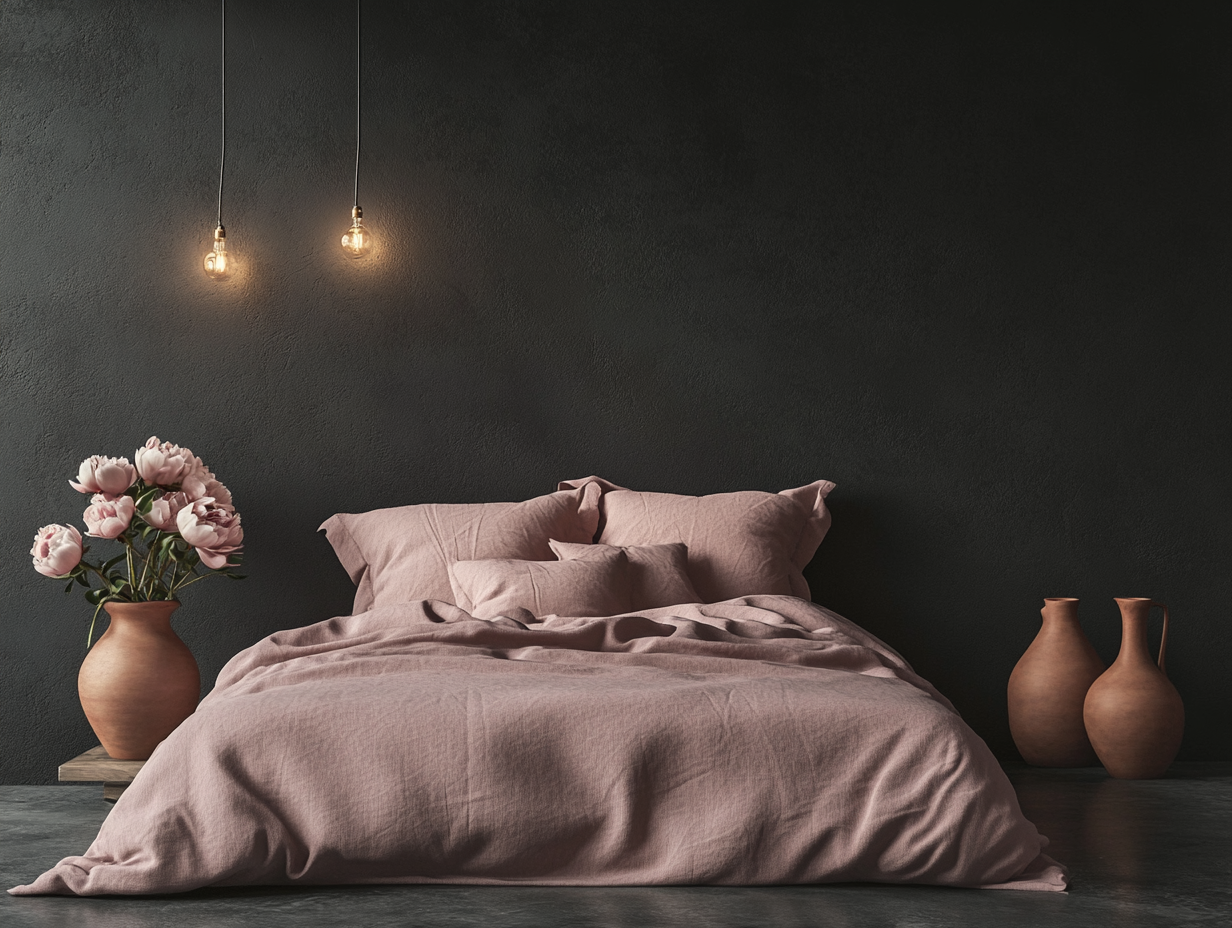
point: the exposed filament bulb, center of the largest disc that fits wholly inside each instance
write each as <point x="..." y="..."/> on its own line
<point x="216" y="264"/>
<point x="357" y="241"/>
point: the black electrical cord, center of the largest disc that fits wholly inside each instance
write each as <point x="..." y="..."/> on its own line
<point x="222" y="162"/>
<point x="357" y="98"/>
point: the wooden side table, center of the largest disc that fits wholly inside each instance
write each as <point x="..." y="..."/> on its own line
<point x="96" y="764"/>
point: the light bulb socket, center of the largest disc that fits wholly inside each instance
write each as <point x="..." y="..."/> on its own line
<point x="220" y="234"/>
<point x="357" y="212"/>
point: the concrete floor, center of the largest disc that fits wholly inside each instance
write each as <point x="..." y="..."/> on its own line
<point x="1147" y="853"/>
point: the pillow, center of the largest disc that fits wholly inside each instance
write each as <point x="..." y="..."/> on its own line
<point x="403" y="554"/>
<point x="739" y="544"/>
<point x="595" y="586"/>
<point x="658" y="574"/>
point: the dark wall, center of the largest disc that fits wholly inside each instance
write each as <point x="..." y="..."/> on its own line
<point x="975" y="270"/>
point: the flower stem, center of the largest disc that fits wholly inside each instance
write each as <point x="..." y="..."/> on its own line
<point x="197" y="579"/>
<point x="146" y="569"/>
<point x="102" y="576"/>
<point x="90" y="634"/>
<point x="128" y="550"/>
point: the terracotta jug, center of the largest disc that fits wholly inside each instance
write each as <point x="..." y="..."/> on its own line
<point x="1047" y="689"/>
<point x="139" y="681"/>
<point x="1134" y="715"/>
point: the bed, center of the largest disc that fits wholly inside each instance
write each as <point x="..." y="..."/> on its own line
<point x="512" y="702"/>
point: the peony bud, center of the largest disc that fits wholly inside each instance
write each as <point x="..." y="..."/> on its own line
<point x="108" y="518"/>
<point x="57" y="550"/>
<point x="162" y="463"/>
<point x="214" y="532"/>
<point x="99" y="474"/>
<point x="164" y="510"/>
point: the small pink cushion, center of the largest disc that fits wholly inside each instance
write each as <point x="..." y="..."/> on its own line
<point x="740" y="544"/>
<point x="403" y="554"/>
<point x="658" y="574"/>
<point x="596" y="586"/>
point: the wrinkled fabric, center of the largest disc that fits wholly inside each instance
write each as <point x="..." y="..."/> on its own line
<point x="403" y="554"/>
<point x="761" y="740"/>
<point x="740" y="544"/>
<point x="658" y="574"/>
<point x="598" y="586"/>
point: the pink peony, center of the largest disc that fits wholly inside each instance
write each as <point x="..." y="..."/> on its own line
<point x="164" y="510"/>
<point x="57" y="550"/>
<point x="164" y="464"/>
<point x="213" y="531"/>
<point x="202" y="483"/>
<point x="108" y="518"/>
<point x="99" y="474"/>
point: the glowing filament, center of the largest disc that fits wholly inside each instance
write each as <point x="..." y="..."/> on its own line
<point x="357" y="241"/>
<point x="216" y="265"/>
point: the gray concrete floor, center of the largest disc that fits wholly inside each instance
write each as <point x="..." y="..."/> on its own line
<point x="1146" y="853"/>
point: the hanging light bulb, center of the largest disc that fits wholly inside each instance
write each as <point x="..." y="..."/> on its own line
<point x="217" y="263"/>
<point x="216" y="260"/>
<point x="357" y="240"/>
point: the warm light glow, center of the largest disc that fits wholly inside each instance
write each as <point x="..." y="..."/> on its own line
<point x="216" y="264"/>
<point x="357" y="241"/>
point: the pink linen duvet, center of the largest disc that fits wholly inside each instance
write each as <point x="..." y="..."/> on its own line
<point x="760" y="740"/>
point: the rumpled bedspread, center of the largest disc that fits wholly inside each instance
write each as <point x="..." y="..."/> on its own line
<point x="761" y="740"/>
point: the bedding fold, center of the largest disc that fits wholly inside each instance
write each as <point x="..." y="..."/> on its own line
<point x="756" y="741"/>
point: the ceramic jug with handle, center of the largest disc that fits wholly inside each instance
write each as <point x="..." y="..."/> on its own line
<point x="1134" y="715"/>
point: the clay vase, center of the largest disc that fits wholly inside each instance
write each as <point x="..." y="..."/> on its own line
<point x="1134" y="715"/>
<point x="139" y="681"/>
<point x="1047" y="689"/>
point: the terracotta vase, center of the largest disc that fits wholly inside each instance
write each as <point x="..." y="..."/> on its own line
<point x="1047" y="689"/>
<point x="139" y="681"/>
<point x="1134" y="715"/>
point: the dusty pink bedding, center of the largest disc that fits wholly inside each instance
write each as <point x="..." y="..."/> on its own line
<point x="762" y="740"/>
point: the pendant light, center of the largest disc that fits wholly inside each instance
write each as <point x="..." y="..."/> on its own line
<point x="357" y="240"/>
<point x="218" y="262"/>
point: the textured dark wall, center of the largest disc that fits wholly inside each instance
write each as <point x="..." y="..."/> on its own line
<point x="974" y="270"/>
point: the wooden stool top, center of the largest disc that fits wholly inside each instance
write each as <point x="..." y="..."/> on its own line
<point x="95" y="765"/>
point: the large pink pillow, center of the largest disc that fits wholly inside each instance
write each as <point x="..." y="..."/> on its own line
<point x="403" y="554"/>
<point x="658" y="574"/>
<point x="595" y="586"/>
<point x="740" y="544"/>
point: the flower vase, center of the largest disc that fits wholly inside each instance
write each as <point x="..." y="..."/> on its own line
<point x="1047" y="689"/>
<point x="139" y="681"/>
<point x="1134" y="715"/>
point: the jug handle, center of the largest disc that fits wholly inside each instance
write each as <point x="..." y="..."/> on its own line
<point x="1163" y="638"/>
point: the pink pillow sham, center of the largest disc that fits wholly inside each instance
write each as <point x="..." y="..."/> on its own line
<point x="740" y="544"/>
<point x="658" y="574"/>
<point x="596" y="586"/>
<point x="403" y="554"/>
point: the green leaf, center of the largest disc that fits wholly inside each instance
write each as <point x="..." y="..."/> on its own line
<point x="69" y="588"/>
<point x="95" y="596"/>
<point x="107" y="565"/>
<point x="82" y="579"/>
<point x="146" y="500"/>
<point x="238" y="576"/>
